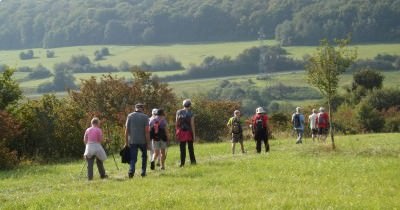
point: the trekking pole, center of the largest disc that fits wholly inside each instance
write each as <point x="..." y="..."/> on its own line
<point x="84" y="164"/>
<point x="109" y="147"/>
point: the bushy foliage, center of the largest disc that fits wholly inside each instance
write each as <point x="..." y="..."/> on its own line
<point x="112" y="99"/>
<point x="248" y="62"/>
<point x="26" y="55"/>
<point x="369" y="118"/>
<point x="280" y="123"/>
<point x="211" y="117"/>
<point x="368" y="79"/>
<point x="50" y="54"/>
<point x="9" y="89"/>
<point x="162" y="63"/>
<point x="346" y="120"/>
<point x="52" y="129"/>
<point x="9" y="133"/>
<point x="39" y="72"/>
<point x="63" y="80"/>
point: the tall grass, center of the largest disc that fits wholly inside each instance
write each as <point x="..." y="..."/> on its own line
<point x="363" y="173"/>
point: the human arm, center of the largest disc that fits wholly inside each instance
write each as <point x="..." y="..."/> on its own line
<point x="193" y="128"/>
<point x="126" y="137"/>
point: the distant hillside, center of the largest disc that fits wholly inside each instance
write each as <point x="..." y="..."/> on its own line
<point x="49" y="24"/>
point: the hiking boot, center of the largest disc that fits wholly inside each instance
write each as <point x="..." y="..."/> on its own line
<point x="162" y="168"/>
<point x="130" y="175"/>
<point x="143" y="174"/>
<point x="152" y="165"/>
<point x="105" y="176"/>
<point x="158" y="164"/>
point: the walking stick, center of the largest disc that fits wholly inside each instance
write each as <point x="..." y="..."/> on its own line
<point x="109" y="147"/>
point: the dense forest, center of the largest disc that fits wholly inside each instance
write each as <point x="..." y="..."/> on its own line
<point x="49" y="24"/>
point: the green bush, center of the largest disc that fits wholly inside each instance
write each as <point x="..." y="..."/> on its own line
<point x="369" y="118"/>
<point x="346" y="120"/>
<point x="211" y="117"/>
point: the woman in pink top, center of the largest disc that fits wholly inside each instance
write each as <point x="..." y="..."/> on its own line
<point x="92" y="139"/>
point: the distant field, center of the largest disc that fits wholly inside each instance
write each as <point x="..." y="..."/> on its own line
<point x="185" y="53"/>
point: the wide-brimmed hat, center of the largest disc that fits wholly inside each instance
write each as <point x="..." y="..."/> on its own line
<point x="260" y="110"/>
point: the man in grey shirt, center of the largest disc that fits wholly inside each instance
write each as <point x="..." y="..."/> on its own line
<point x="137" y="136"/>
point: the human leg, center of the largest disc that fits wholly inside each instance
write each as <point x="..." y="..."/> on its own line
<point x="191" y="153"/>
<point x="133" y="152"/>
<point x="266" y="143"/>
<point x="182" y="146"/>
<point x="258" y="145"/>
<point x="100" y="167"/>
<point x="143" y="149"/>
<point x="233" y="147"/>
<point x="90" y="162"/>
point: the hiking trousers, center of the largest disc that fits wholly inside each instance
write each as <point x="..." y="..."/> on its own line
<point x="183" y="152"/>
<point x="100" y="167"/>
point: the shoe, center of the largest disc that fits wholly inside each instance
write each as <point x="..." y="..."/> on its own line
<point x="130" y="175"/>
<point x="143" y="174"/>
<point x="162" y="168"/>
<point x="152" y="166"/>
<point x="104" y="177"/>
<point x="158" y="164"/>
<point x="181" y="165"/>
<point x="193" y="163"/>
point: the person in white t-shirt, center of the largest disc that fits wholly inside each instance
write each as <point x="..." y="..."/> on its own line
<point x="312" y="120"/>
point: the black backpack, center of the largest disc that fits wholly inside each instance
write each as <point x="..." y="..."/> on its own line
<point x="259" y="124"/>
<point x="183" y="120"/>
<point x="296" y="121"/>
<point x="236" y="126"/>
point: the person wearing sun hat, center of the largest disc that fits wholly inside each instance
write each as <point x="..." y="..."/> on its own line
<point x="260" y="129"/>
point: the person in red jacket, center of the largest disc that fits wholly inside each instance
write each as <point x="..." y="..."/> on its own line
<point x="260" y="129"/>
<point x="323" y="124"/>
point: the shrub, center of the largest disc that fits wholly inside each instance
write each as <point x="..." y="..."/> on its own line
<point x="346" y="119"/>
<point x="9" y="133"/>
<point x="50" y="54"/>
<point x="39" y="72"/>
<point x="369" y="118"/>
<point x="26" y="55"/>
<point x="392" y="119"/>
<point x="211" y="117"/>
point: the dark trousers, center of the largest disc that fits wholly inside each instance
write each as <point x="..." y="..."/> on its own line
<point x="191" y="152"/>
<point x="262" y="137"/>
<point x="100" y="167"/>
<point x="134" y="148"/>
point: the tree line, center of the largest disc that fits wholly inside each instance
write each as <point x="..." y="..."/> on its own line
<point x="48" y="24"/>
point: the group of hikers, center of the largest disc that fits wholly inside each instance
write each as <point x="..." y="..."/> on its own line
<point x="144" y="133"/>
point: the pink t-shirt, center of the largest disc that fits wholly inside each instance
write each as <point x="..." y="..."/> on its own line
<point x="93" y="134"/>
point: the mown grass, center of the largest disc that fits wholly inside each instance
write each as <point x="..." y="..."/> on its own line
<point x="361" y="174"/>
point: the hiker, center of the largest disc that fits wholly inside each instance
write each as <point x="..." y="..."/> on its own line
<point x="153" y="115"/>
<point x="159" y="137"/>
<point x="323" y="124"/>
<point x="260" y="129"/>
<point x="137" y="137"/>
<point x="298" y="125"/>
<point x="312" y="120"/>
<point x="235" y="126"/>
<point x="185" y="131"/>
<point x="92" y="139"/>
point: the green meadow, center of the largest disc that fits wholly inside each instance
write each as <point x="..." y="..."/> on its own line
<point x="362" y="173"/>
<point x="186" y="53"/>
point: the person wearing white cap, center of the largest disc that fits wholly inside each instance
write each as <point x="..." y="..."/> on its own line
<point x="185" y="131"/>
<point x="260" y="129"/>
<point x="323" y="124"/>
<point x="153" y="115"/>
<point x="298" y="124"/>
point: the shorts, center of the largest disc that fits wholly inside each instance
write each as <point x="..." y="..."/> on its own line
<point x="322" y="131"/>
<point x="314" y="131"/>
<point x="237" y="137"/>
<point x="159" y="145"/>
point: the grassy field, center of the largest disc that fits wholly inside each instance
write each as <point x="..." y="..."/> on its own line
<point x="191" y="53"/>
<point x="363" y="173"/>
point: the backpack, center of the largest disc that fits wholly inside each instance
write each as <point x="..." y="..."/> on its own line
<point x="321" y="119"/>
<point x="183" y="120"/>
<point x="236" y="127"/>
<point x="259" y="124"/>
<point x="296" y="121"/>
<point x="154" y="130"/>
